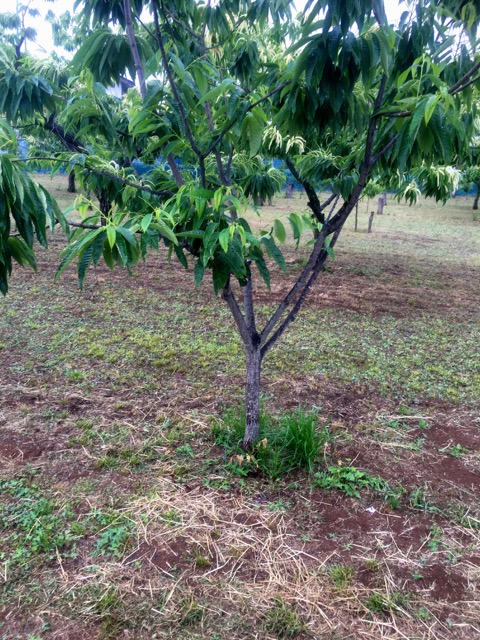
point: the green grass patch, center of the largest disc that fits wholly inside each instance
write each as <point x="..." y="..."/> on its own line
<point x="295" y="440"/>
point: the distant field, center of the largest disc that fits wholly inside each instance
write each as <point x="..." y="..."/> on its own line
<point x="122" y="513"/>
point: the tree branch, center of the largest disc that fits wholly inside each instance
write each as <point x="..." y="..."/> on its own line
<point x="249" y="310"/>
<point x="458" y="85"/>
<point x="229" y="298"/>
<point x="134" y="47"/>
<point x="342" y="214"/>
<point x="302" y="297"/>
<point x="313" y="200"/>
<point x="296" y="288"/>
<point x="173" y="85"/>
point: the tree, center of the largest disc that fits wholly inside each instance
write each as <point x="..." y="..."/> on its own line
<point x="338" y="94"/>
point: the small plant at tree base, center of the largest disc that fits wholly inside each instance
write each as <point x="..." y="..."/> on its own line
<point x="292" y="441"/>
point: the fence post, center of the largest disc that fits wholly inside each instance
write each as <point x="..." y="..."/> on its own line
<point x="370" y="222"/>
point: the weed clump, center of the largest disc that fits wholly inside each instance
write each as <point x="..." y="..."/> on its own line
<point x="282" y="621"/>
<point x="292" y="441"/>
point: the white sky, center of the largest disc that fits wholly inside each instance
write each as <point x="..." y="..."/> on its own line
<point x="44" y="38"/>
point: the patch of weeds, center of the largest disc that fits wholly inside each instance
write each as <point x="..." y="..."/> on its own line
<point x="292" y="441"/>
<point x="282" y="621"/>
<point x="349" y="480"/>
<point x="185" y="450"/>
<point x="419" y="499"/>
<point x="113" y="541"/>
<point x="75" y="376"/>
<point x="394" y="497"/>
<point x="32" y="523"/>
<point x="114" y="531"/>
<point x="456" y="451"/>
<point x="341" y="575"/>
<point x="372" y="565"/>
<point x="416" y="445"/>
<point x="190" y="612"/>
<point x="380" y="603"/>
<point x="461" y="514"/>
<point x="202" y="562"/>
<point x="279" y="505"/>
<point x="434" y="541"/>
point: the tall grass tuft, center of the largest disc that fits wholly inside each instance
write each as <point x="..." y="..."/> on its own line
<point x="292" y="441"/>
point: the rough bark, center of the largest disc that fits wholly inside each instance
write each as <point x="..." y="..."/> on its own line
<point x="105" y="206"/>
<point x="252" y="397"/>
<point x="71" y="182"/>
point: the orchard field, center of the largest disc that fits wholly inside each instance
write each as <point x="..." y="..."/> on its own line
<point x="127" y="510"/>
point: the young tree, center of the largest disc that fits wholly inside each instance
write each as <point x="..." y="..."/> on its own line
<point x="337" y="93"/>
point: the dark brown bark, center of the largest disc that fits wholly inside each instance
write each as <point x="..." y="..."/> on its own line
<point x="71" y="182"/>
<point x="105" y="205"/>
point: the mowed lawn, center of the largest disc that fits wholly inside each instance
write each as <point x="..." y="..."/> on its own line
<point x="124" y="510"/>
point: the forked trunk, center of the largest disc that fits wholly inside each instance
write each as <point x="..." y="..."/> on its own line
<point x="477" y="197"/>
<point x="252" y="397"/>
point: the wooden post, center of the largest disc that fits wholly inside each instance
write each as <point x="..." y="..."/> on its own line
<point x="384" y="194"/>
<point x="370" y="222"/>
<point x="380" y="205"/>
<point x="289" y="190"/>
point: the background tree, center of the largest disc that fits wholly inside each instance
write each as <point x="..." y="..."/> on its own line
<point x="342" y="93"/>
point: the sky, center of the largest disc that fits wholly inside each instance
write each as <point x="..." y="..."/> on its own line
<point x="44" y="44"/>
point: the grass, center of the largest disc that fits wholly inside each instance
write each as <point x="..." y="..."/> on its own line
<point x="128" y="507"/>
<point x="291" y="441"/>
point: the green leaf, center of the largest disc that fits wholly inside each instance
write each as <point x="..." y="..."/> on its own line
<point x="198" y="273"/>
<point x="83" y="263"/>
<point x="160" y="225"/>
<point x="430" y="107"/>
<point x="279" y="230"/>
<point x="181" y="256"/>
<point x="111" y="235"/>
<point x="224" y="238"/>
<point x="274" y="252"/>
<point x="21" y="252"/>
<point x="146" y="220"/>
<point x="217" y="91"/>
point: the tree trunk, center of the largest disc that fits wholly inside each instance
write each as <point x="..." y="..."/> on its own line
<point x="477" y="197"/>
<point x="380" y="205"/>
<point x="252" y="397"/>
<point x="105" y="206"/>
<point x="71" y="182"/>
<point x="356" y="217"/>
<point x="289" y="190"/>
